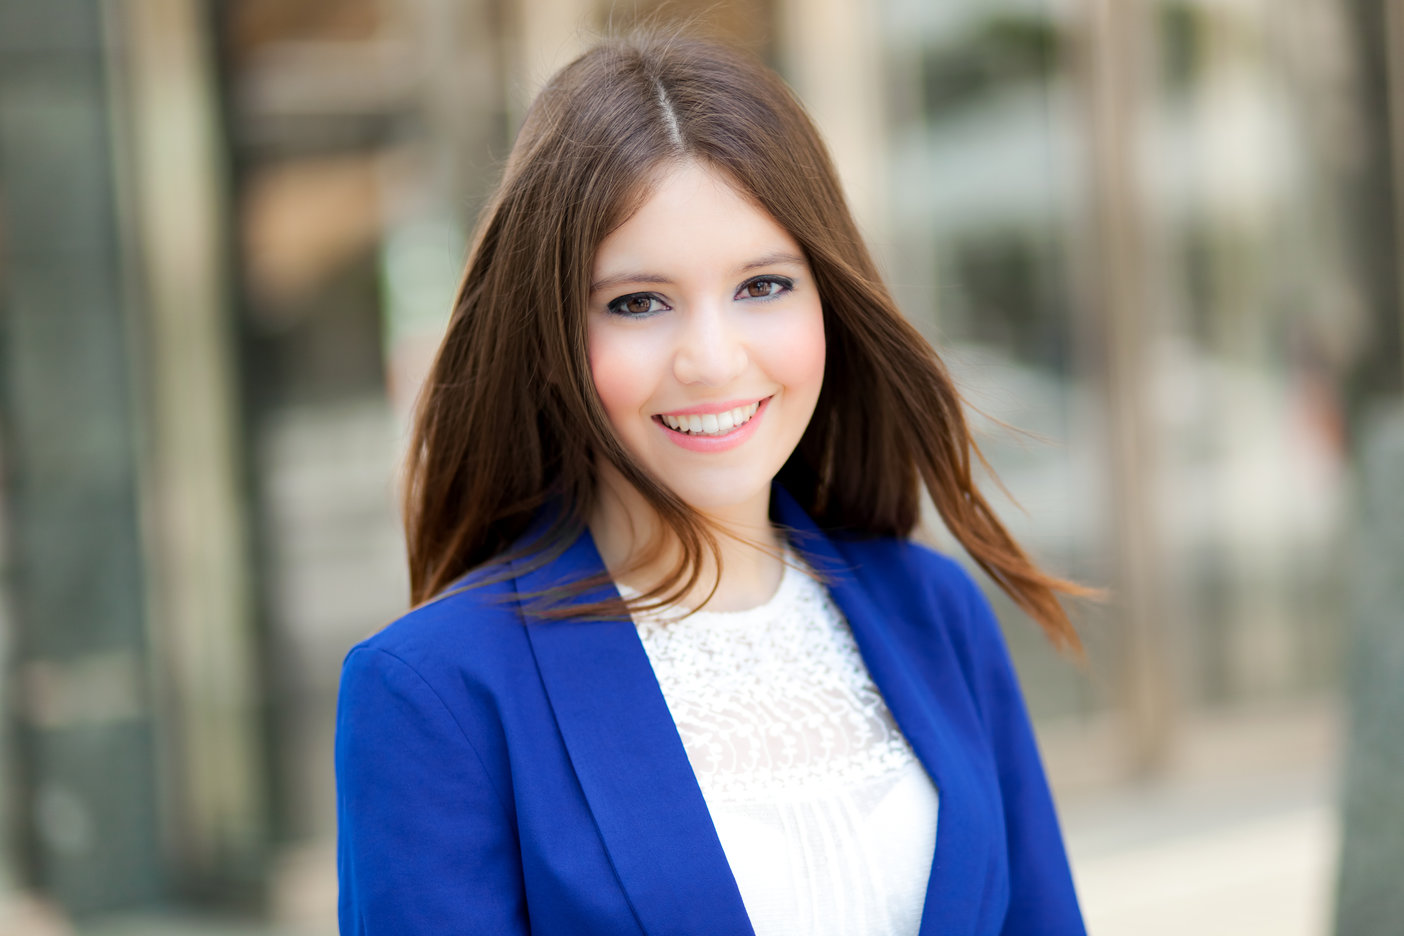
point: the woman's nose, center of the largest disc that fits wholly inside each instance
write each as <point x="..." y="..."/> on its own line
<point x="710" y="349"/>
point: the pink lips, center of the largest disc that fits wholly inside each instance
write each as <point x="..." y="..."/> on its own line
<point x="705" y="408"/>
<point x="717" y="443"/>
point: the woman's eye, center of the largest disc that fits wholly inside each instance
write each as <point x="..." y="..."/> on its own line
<point x="637" y="304"/>
<point x="765" y="287"/>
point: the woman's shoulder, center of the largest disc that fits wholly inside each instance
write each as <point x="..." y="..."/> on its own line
<point x="908" y="564"/>
<point x="471" y="625"/>
<point x="933" y="597"/>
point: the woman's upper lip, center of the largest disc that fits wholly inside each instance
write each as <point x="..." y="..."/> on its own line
<point x="704" y="408"/>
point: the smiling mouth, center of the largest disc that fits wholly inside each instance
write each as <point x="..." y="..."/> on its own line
<point x="711" y="424"/>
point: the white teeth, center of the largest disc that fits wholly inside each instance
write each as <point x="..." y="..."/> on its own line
<point x="712" y="423"/>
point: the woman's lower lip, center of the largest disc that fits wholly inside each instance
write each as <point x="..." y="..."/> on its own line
<point x="716" y="443"/>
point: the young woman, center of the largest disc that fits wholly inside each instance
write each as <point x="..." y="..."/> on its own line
<point x="674" y="665"/>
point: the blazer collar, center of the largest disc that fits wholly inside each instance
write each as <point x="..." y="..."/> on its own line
<point x="645" y="799"/>
<point x="631" y="763"/>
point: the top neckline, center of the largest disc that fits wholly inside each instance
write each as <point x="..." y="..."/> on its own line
<point x="792" y="578"/>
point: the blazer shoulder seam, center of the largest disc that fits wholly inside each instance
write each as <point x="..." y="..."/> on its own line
<point x="448" y="711"/>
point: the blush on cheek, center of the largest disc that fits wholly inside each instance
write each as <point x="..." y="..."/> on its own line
<point x="615" y="373"/>
<point x="804" y="350"/>
<point x="609" y="384"/>
<point x="807" y="350"/>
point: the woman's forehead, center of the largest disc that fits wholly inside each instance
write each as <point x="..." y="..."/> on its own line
<point x="692" y="215"/>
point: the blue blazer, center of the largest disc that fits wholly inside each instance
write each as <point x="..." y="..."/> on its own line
<point x="496" y="776"/>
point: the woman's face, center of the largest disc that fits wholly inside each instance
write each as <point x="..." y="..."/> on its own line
<point x="706" y="341"/>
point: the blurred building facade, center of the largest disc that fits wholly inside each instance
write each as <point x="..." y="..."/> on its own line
<point x="1160" y="234"/>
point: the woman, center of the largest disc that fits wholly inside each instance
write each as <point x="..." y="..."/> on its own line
<point x="674" y="665"/>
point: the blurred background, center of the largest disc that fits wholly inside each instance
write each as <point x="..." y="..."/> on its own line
<point x="1162" y="236"/>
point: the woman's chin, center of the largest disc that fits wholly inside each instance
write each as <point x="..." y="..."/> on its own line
<point x="725" y="502"/>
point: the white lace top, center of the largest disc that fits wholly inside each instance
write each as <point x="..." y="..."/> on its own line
<point x="826" y="816"/>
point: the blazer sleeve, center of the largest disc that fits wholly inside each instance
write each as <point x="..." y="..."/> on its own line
<point x="1042" y="899"/>
<point x="425" y="844"/>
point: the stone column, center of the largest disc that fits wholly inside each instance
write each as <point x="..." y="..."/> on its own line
<point x="85" y="770"/>
<point x="847" y="96"/>
<point x="1369" y="898"/>
<point x="205" y="641"/>
<point x="1114" y="47"/>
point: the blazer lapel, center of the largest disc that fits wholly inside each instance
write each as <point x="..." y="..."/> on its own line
<point x="965" y="861"/>
<point x="631" y="763"/>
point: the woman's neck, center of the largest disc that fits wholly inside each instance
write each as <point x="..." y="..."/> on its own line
<point x="638" y="550"/>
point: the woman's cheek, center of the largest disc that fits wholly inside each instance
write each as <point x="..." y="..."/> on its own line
<point x="801" y="346"/>
<point x="617" y="365"/>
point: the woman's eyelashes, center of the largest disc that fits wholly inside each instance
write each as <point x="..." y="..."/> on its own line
<point x="765" y="287"/>
<point x="642" y="305"/>
<point x="637" y="305"/>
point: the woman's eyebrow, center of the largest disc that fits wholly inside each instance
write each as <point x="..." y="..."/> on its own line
<point x="658" y="279"/>
<point x="773" y="259"/>
<point x="633" y="279"/>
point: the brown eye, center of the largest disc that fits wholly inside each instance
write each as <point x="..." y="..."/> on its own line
<point x="637" y="305"/>
<point x="765" y="287"/>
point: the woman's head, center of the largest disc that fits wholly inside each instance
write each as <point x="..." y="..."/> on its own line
<point x="598" y="142"/>
<point x="706" y="346"/>
<point x="512" y="417"/>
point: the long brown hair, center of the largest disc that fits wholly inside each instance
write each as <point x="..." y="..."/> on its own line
<point x="509" y="421"/>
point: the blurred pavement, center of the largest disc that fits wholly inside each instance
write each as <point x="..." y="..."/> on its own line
<point x="1254" y="857"/>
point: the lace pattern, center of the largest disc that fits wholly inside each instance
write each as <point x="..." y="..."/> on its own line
<point x="775" y="698"/>
<point x="827" y="818"/>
